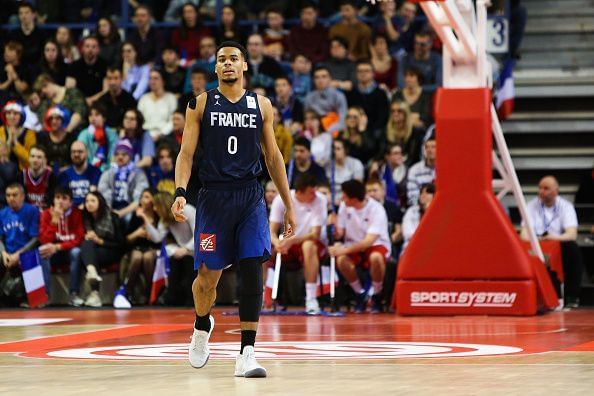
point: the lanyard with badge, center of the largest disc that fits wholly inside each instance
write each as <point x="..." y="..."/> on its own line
<point x="546" y="224"/>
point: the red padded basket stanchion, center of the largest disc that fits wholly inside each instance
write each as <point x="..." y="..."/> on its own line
<point x="465" y="257"/>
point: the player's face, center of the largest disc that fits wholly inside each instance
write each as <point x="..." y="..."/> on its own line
<point x="307" y="196"/>
<point x="230" y="65"/>
<point x="375" y="191"/>
<point x="326" y="191"/>
<point x="350" y="202"/>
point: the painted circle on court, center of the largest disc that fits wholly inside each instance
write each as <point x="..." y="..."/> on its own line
<point x="287" y="350"/>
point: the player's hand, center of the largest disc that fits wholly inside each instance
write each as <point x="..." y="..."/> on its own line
<point x="178" y="209"/>
<point x="336" y="249"/>
<point x="290" y="223"/>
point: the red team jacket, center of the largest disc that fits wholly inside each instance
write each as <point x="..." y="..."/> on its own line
<point x="69" y="232"/>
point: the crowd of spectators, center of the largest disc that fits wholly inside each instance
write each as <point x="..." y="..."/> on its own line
<point x="92" y="122"/>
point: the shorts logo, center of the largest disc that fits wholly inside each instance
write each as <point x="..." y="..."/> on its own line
<point x="208" y="242"/>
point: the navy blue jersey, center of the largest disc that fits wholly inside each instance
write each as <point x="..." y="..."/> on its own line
<point x="229" y="143"/>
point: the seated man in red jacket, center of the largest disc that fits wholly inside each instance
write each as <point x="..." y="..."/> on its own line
<point x="61" y="231"/>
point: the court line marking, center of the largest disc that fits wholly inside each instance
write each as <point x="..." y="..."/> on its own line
<point x="303" y="363"/>
<point x="237" y="331"/>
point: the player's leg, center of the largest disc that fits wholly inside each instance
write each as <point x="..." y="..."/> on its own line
<point x="311" y="267"/>
<point x="204" y="289"/>
<point x="346" y="265"/>
<point x="377" y="269"/>
<point x="250" y="302"/>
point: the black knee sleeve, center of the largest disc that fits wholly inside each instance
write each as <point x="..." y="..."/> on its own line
<point x="250" y="289"/>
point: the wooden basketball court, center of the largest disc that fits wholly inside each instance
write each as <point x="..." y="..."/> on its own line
<point x="143" y="352"/>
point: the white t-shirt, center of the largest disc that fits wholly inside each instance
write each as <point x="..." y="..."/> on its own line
<point x="371" y="219"/>
<point x="554" y="220"/>
<point x="410" y="222"/>
<point x="352" y="169"/>
<point x="308" y="215"/>
<point x="321" y="148"/>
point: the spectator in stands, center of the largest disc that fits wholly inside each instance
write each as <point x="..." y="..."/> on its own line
<point x="157" y="107"/>
<point x="357" y="33"/>
<point x="135" y="74"/>
<point x="300" y="76"/>
<point x="369" y="96"/>
<point x="9" y="172"/>
<point x="162" y="174"/>
<point x="274" y="32"/>
<point x="142" y="143"/>
<point x="116" y="100"/>
<point x="61" y="231"/>
<point x="283" y="137"/>
<point x="305" y="246"/>
<point x="263" y="69"/>
<point x="400" y="130"/>
<point x="554" y="219"/>
<point x="52" y="62"/>
<point x="70" y="98"/>
<point x="321" y="141"/>
<point x="88" y="73"/>
<point x="364" y="225"/>
<point x="148" y="41"/>
<point x="18" y="138"/>
<point x="33" y="101"/>
<point x="55" y="140"/>
<point x="80" y="177"/>
<point x="415" y="213"/>
<point x="178" y="120"/>
<point x="309" y="38"/>
<point x="422" y="172"/>
<point x="198" y="79"/>
<point x="15" y="77"/>
<point x="38" y="179"/>
<point x="270" y="192"/>
<point x="102" y="244"/>
<point x="328" y="102"/>
<point x="409" y="27"/>
<point x="180" y="250"/>
<point x="387" y="25"/>
<point x="392" y="171"/>
<point x="361" y="140"/>
<point x="345" y="168"/>
<point x="19" y="232"/>
<point x="189" y="33"/>
<point x="99" y="138"/>
<point x="302" y="163"/>
<point x="68" y="49"/>
<point x="174" y="9"/>
<point x="175" y="75"/>
<point x="426" y="61"/>
<point x="123" y="183"/>
<point x="229" y="29"/>
<point x="28" y="34"/>
<point x="341" y="68"/>
<point x="109" y="41"/>
<point x="418" y="99"/>
<point x="143" y="251"/>
<point x="384" y="65"/>
<point x="289" y="107"/>
<point x="206" y="62"/>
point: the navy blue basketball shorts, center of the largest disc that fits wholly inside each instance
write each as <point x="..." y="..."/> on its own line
<point x="231" y="225"/>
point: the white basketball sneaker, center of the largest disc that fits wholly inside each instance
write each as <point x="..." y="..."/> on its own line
<point x="247" y="366"/>
<point x="198" y="352"/>
<point x="312" y="307"/>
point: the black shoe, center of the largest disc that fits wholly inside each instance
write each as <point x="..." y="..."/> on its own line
<point x="377" y="303"/>
<point x="361" y="304"/>
<point x="572" y="303"/>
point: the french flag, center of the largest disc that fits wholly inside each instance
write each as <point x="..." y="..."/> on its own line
<point x="160" y="274"/>
<point x="504" y="102"/>
<point x="33" y="278"/>
<point x="324" y="283"/>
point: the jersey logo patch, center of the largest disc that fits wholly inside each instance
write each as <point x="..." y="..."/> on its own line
<point x="208" y="242"/>
<point x="217" y="102"/>
<point x="251" y="102"/>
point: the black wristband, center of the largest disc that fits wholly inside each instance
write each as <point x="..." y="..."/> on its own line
<point x="180" y="192"/>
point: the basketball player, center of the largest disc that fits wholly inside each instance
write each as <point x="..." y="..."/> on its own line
<point x="230" y="127"/>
